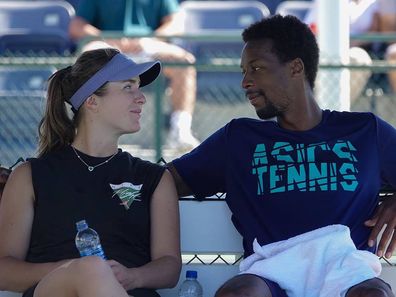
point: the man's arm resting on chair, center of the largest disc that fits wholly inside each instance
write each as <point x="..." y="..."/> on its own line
<point x="384" y="217"/>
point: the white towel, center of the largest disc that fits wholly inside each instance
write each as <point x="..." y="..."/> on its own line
<point x="320" y="263"/>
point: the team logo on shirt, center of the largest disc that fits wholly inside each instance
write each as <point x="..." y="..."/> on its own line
<point x="285" y="167"/>
<point x="127" y="193"/>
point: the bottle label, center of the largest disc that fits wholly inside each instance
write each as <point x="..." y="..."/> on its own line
<point x="98" y="251"/>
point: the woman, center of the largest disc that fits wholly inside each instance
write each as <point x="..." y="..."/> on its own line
<point x="81" y="174"/>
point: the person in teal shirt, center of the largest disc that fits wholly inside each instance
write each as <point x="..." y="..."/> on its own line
<point x="110" y="15"/>
<point x="141" y="18"/>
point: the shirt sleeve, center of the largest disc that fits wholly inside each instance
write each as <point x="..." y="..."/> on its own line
<point x="152" y="174"/>
<point x="87" y="10"/>
<point x="204" y="168"/>
<point x="387" y="145"/>
<point x="169" y="7"/>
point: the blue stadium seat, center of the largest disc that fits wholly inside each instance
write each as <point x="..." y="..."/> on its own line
<point x="219" y="18"/>
<point x="221" y="15"/>
<point x="24" y="81"/>
<point x="35" y="27"/>
<point x="74" y="3"/>
<point x="22" y="102"/>
<point x="297" y="8"/>
<point x="223" y="22"/>
<point x="271" y="4"/>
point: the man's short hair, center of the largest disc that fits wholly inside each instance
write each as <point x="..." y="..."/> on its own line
<point x="290" y="38"/>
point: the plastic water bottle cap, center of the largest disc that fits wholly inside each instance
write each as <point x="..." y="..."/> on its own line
<point x="191" y="274"/>
<point x="81" y="225"/>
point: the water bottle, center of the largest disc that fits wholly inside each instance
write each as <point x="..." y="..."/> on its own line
<point x="190" y="287"/>
<point x="87" y="241"/>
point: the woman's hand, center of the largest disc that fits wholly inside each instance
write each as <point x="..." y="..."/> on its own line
<point x="126" y="276"/>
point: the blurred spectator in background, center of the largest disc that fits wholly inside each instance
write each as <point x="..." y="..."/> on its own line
<point x="139" y="18"/>
<point x="387" y="24"/>
<point x="370" y="16"/>
<point x="362" y="19"/>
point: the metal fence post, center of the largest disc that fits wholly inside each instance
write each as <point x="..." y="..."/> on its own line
<point x="158" y="123"/>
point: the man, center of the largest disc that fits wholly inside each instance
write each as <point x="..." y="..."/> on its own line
<point x="138" y="18"/>
<point x="309" y="169"/>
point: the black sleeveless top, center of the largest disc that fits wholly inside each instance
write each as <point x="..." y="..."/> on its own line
<point x="114" y="199"/>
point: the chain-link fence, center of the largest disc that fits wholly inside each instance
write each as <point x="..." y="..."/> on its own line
<point x="219" y="99"/>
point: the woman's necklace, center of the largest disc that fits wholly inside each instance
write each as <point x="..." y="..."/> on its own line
<point x="91" y="168"/>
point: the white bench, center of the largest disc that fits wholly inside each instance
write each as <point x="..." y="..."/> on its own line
<point x="206" y="229"/>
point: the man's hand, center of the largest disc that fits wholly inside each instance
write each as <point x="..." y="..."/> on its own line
<point x="385" y="216"/>
<point x="4" y="174"/>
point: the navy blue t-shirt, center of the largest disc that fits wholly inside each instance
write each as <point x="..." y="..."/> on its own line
<point x="282" y="183"/>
